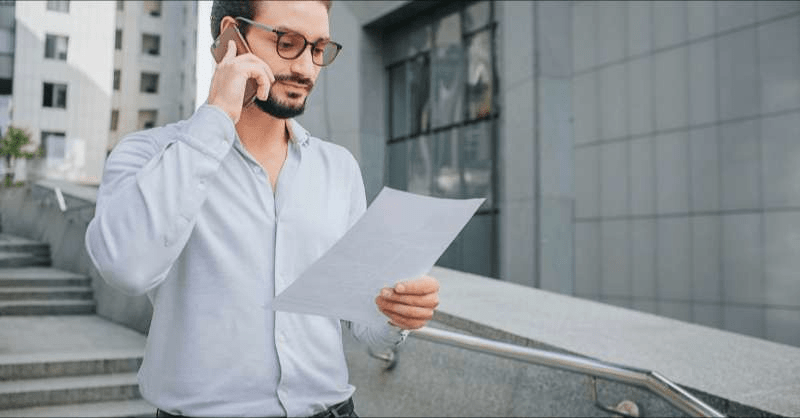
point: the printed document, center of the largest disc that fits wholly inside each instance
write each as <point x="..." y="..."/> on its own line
<point x="399" y="238"/>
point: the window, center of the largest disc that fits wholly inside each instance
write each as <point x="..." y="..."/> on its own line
<point x="117" y="76"/>
<point x="147" y="119"/>
<point x="118" y="39"/>
<point x="55" y="95"/>
<point x="149" y="83"/>
<point x="151" y="44"/>
<point x="6" y="85"/>
<point x="441" y="139"/>
<point x="120" y="5"/>
<point x="114" y="119"/>
<point x="7" y="14"/>
<point x="55" y="47"/>
<point x="54" y="145"/>
<point x="152" y="7"/>
<point x="58" y="5"/>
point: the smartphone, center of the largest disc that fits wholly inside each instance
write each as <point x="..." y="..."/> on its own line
<point x="220" y="46"/>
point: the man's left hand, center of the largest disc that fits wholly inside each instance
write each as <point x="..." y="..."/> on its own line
<point x="410" y="304"/>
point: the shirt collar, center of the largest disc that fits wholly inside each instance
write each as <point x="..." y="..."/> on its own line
<point x="298" y="134"/>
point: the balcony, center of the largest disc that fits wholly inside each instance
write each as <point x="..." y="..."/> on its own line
<point x="580" y="358"/>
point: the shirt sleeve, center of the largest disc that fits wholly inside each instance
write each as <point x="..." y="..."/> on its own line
<point x="387" y="336"/>
<point x="153" y="186"/>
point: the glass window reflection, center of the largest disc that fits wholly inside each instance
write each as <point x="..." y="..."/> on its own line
<point x="447" y="72"/>
<point x="479" y="76"/>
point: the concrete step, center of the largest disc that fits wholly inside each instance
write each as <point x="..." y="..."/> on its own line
<point x="81" y="363"/>
<point x="133" y="408"/>
<point x="46" y="293"/>
<point x="68" y="390"/>
<point x="47" y="307"/>
<point x="40" y="276"/>
<point x="23" y="259"/>
<point x="10" y="243"/>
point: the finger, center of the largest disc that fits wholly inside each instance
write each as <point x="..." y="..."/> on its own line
<point x="262" y="69"/>
<point x="421" y="286"/>
<point x="406" y="323"/>
<point x="260" y="73"/>
<point x="431" y="300"/>
<point x="406" y="311"/>
<point x="263" y="84"/>
<point x="230" y="53"/>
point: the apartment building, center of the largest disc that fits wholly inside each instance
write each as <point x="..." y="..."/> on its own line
<point x="154" y="65"/>
<point x="79" y="75"/>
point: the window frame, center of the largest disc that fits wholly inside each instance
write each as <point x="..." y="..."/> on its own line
<point x="143" y="77"/>
<point x="54" y="95"/>
<point x="147" y="125"/>
<point x="464" y="121"/>
<point x="44" y="135"/>
<point x="153" y="8"/>
<point x="114" y="122"/>
<point x="149" y="52"/>
<point x="117" y="83"/>
<point x="55" y="38"/>
<point x="61" y="6"/>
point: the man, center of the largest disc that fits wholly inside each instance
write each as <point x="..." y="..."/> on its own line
<point x="213" y="216"/>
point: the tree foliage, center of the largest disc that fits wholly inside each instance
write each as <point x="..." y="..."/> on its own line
<point x="12" y="146"/>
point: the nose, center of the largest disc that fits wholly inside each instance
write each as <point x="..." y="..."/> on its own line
<point x="304" y="64"/>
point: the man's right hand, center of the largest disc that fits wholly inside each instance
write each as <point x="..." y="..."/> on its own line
<point x="230" y="79"/>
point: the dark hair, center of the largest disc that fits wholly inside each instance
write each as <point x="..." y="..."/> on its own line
<point x="239" y="8"/>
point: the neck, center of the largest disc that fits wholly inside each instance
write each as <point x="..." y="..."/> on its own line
<point x="261" y="132"/>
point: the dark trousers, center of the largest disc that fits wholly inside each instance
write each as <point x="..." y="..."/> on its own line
<point x="344" y="409"/>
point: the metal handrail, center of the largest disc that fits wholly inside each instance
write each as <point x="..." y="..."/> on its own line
<point x="653" y="381"/>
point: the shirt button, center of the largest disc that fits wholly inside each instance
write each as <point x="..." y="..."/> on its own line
<point x="202" y="185"/>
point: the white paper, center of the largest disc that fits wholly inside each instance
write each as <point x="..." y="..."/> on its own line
<point x="399" y="238"/>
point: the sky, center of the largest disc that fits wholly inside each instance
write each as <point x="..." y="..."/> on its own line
<point x="205" y="64"/>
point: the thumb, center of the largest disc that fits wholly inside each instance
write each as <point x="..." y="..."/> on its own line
<point x="231" y="51"/>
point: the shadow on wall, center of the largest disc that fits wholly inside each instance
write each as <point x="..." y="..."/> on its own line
<point x="74" y="139"/>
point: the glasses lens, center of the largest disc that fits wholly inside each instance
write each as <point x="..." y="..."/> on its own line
<point x="291" y="45"/>
<point x="328" y="53"/>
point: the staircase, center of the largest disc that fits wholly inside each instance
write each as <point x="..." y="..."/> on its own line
<point x="57" y="358"/>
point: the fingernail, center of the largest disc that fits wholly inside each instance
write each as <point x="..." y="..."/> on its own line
<point x="400" y="288"/>
<point x="386" y="293"/>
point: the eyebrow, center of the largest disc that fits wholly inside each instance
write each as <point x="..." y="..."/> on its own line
<point x="285" y="29"/>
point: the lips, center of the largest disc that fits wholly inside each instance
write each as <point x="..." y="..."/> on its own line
<point x="295" y="85"/>
<point x="294" y="82"/>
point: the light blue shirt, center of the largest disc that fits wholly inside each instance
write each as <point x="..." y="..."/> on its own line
<point x="187" y="215"/>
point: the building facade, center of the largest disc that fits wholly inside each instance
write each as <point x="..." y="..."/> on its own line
<point x="154" y="65"/>
<point x="75" y="86"/>
<point x="643" y="154"/>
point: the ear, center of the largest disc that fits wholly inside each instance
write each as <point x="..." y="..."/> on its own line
<point x="225" y="23"/>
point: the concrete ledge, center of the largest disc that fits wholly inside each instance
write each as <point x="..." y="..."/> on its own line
<point x="738" y="368"/>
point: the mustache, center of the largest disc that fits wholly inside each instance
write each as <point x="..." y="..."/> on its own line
<point x="295" y="79"/>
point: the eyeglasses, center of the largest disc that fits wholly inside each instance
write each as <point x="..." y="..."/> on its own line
<point x="291" y="45"/>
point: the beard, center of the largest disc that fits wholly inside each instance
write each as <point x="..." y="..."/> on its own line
<point x="283" y="110"/>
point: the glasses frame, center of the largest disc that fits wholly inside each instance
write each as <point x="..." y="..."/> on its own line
<point x="306" y="43"/>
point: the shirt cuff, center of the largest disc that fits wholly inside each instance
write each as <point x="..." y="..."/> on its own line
<point x="211" y="131"/>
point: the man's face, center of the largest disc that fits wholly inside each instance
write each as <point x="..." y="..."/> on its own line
<point x="295" y="78"/>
